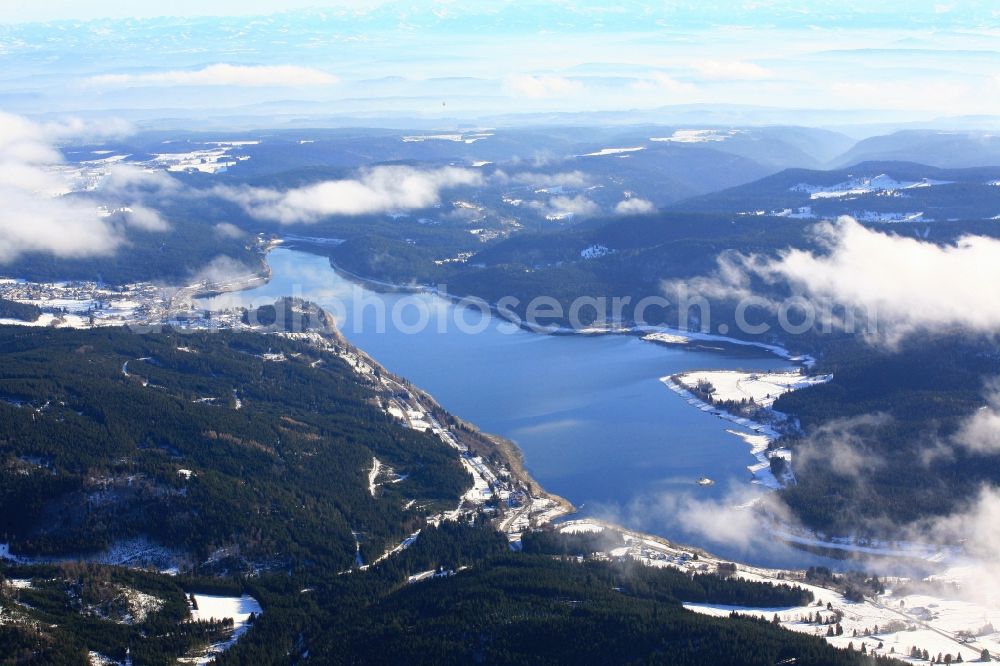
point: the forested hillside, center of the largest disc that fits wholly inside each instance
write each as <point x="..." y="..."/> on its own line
<point x="241" y="459"/>
<point x="205" y="443"/>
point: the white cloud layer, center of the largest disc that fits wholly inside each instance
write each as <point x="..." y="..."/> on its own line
<point x="222" y="74"/>
<point x="36" y="215"/>
<point x="903" y="285"/>
<point x="663" y="82"/>
<point x="228" y="230"/>
<point x="526" y="85"/>
<point x="570" y="179"/>
<point x="634" y="206"/>
<point x="377" y="190"/>
<point x="980" y="433"/>
<point x="566" y="206"/>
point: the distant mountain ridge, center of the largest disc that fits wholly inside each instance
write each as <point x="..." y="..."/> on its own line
<point x="873" y="191"/>
<point x="940" y="148"/>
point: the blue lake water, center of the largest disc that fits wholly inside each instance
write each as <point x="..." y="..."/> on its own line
<point x="594" y="421"/>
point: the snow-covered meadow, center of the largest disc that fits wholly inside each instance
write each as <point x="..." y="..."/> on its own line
<point x="214" y="607"/>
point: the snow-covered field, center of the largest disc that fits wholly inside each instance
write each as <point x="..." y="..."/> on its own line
<point x="467" y="137"/>
<point x="613" y="151"/>
<point x="373" y="475"/>
<point x="889" y="218"/>
<point x="210" y="607"/>
<point x="50" y="319"/>
<point x="763" y="388"/>
<point x="800" y="213"/>
<point x="594" y="252"/>
<point x="909" y="614"/>
<point x="863" y="185"/>
<point x="216" y="159"/>
<point x="697" y="136"/>
<point x="897" y="622"/>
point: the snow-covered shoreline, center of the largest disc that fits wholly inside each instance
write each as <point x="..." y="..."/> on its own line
<point x="772" y="384"/>
<point x="761" y="387"/>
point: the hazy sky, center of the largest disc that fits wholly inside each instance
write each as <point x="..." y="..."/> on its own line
<point x="426" y="58"/>
<point x="18" y="11"/>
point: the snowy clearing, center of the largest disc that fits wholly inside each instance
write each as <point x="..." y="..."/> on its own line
<point x="373" y="475"/>
<point x="909" y="614"/>
<point x="470" y="137"/>
<point x="697" y="136"/>
<point x="210" y="607"/>
<point x="762" y="388"/>
<point x="863" y="185"/>
<point x="594" y="252"/>
<point x="613" y="151"/>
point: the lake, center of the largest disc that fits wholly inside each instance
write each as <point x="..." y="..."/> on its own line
<point x="594" y="421"/>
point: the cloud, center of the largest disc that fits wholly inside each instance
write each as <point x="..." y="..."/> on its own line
<point x="841" y="445"/>
<point x="565" y="206"/>
<point x="227" y="230"/>
<point x="285" y="76"/>
<point x="76" y="130"/>
<point x="974" y="529"/>
<point x="526" y="85"/>
<point x="634" y="206"/>
<point x="572" y="179"/>
<point x="980" y="433"/>
<point x="128" y="178"/>
<point x="377" y="190"/>
<point x="738" y="520"/>
<point x="897" y="285"/>
<point x="145" y="218"/>
<point x="37" y="214"/>
<point x="660" y="81"/>
<point x="731" y="70"/>
<point x="223" y="268"/>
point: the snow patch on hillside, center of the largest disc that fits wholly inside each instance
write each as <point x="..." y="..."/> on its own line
<point x="469" y="137"/>
<point x="891" y="218"/>
<point x="594" y="252"/>
<point x="763" y="388"/>
<point x="697" y="136"/>
<point x="863" y="185"/>
<point x="237" y="609"/>
<point x="373" y="475"/>
<point x="613" y="151"/>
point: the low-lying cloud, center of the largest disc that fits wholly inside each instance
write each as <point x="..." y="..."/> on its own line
<point x="377" y="190"/>
<point x="737" y="520"/>
<point x="634" y="206"/>
<point x="128" y="181"/>
<point x="222" y="74"/>
<point x="38" y="214"/>
<point x="566" y="206"/>
<point x="904" y="285"/>
<point x="228" y="230"/>
<point x="980" y="433"/>
<point x="842" y="445"/>
<point x="539" y="179"/>
<point x="526" y="85"/>
<point x="662" y="82"/>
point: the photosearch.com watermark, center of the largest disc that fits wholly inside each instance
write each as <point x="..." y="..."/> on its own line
<point x="357" y="310"/>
